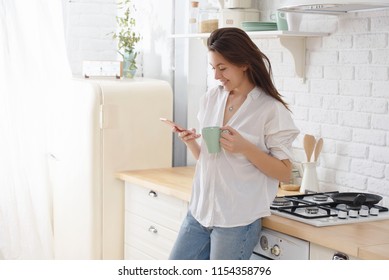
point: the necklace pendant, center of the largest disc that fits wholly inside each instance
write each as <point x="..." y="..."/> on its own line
<point x="230" y="108"/>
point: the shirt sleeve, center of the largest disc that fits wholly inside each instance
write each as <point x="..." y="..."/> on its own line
<point x="280" y="133"/>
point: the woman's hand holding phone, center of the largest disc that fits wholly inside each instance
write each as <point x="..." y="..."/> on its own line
<point x="176" y="127"/>
<point x="185" y="135"/>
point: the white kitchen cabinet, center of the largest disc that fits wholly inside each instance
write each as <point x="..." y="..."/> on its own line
<point x="152" y="221"/>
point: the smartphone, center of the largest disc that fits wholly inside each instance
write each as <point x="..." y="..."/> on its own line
<point x="173" y="124"/>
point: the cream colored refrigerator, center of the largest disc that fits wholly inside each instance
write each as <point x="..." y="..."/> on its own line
<point x="101" y="128"/>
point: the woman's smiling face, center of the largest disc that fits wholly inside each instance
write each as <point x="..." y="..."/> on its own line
<point x="229" y="75"/>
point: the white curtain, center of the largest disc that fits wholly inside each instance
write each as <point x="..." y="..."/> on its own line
<point x="33" y="69"/>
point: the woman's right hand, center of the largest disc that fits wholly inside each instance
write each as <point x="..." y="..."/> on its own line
<point x="187" y="136"/>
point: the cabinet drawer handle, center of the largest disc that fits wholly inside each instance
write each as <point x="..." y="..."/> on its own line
<point x="153" y="194"/>
<point x="153" y="230"/>
<point x="339" y="256"/>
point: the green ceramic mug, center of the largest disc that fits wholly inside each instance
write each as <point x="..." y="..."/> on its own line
<point x="211" y="136"/>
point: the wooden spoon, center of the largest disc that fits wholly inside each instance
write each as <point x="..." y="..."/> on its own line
<point x="319" y="146"/>
<point x="309" y="145"/>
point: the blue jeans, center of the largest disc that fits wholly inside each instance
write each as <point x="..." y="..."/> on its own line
<point x="195" y="242"/>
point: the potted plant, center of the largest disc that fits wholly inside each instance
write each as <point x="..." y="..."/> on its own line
<point x="127" y="37"/>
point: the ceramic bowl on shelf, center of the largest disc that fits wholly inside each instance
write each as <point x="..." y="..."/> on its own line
<point x="259" y="26"/>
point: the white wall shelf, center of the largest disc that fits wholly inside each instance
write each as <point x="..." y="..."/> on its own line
<point x="258" y="34"/>
<point x="294" y="42"/>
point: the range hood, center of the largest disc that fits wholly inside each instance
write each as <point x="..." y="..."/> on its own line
<point x="334" y="7"/>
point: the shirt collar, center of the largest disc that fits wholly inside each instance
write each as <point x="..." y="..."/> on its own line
<point x="254" y="93"/>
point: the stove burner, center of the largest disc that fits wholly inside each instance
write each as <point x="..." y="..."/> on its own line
<point x="320" y="197"/>
<point x="312" y="210"/>
<point x="321" y="209"/>
<point x="281" y="201"/>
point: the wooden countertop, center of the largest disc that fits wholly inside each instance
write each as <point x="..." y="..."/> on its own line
<point x="369" y="240"/>
<point x="175" y="181"/>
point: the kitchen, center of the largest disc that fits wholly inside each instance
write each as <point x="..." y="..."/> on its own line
<point x="341" y="96"/>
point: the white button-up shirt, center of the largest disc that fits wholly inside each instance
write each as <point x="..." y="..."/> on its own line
<point x="228" y="190"/>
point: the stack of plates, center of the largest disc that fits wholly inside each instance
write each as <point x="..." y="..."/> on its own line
<point x="259" y="25"/>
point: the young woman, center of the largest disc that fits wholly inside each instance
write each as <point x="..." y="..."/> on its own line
<point x="233" y="190"/>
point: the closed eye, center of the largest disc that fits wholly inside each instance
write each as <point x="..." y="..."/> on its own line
<point x="220" y="68"/>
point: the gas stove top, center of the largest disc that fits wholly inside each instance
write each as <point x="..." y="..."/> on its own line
<point x="322" y="209"/>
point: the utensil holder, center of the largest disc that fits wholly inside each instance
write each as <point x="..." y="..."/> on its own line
<point x="309" y="181"/>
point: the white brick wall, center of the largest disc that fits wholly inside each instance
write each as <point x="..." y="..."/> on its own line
<point x="88" y="28"/>
<point x="87" y="24"/>
<point x="345" y="100"/>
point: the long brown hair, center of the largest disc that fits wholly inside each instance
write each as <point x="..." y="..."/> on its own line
<point x="236" y="47"/>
